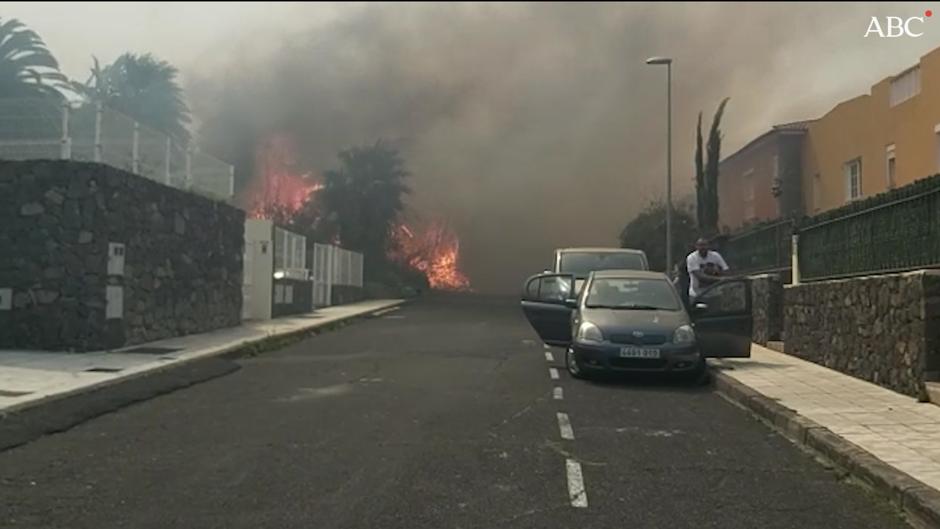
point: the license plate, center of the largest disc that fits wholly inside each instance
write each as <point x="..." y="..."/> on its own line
<point x="639" y="352"/>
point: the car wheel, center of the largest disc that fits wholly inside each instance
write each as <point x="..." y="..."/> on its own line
<point x="572" y="364"/>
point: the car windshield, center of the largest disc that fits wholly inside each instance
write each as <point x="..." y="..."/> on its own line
<point x="583" y="263"/>
<point x="636" y="294"/>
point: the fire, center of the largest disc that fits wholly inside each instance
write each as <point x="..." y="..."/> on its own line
<point x="279" y="188"/>
<point x="434" y="250"/>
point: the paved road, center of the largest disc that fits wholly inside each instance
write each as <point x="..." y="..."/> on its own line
<point x="439" y="415"/>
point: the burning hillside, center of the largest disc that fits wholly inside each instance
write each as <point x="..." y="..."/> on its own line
<point x="433" y="250"/>
<point x="279" y="188"/>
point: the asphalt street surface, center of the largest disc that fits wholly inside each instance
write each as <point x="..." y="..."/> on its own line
<point x="442" y="414"/>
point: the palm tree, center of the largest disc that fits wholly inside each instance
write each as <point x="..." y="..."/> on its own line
<point x="144" y="88"/>
<point x="362" y="199"/>
<point x="27" y="68"/>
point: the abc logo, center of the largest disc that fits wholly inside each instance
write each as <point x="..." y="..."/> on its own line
<point x="894" y="27"/>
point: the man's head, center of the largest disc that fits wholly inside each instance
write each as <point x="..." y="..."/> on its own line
<point x="701" y="246"/>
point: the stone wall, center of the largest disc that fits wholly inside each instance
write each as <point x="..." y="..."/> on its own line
<point x="883" y="329"/>
<point x="767" y="308"/>
<point x="182" y="252"/>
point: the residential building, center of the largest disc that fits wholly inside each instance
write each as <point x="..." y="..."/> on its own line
<point x="763" y="179"/>
<point x="877" y="141"/>
<point x="863" y="146"/>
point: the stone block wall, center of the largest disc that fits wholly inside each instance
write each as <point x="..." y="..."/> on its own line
<point x="767" y="308"/>
<point x="182" y="252"/>
<point x="884" y="329"/>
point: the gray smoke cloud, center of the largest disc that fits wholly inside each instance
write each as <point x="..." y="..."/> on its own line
<point x="530" y="127"/>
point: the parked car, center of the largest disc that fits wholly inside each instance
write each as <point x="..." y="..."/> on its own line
<point x="580" y="262"/>
<point x="631" y="320"/>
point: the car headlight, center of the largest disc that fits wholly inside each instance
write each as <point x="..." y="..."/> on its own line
<point x="588" y="332"/>
<point x="684" y="335"/>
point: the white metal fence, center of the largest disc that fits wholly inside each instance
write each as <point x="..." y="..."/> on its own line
<point x="48" y="129"/>
<point x="332" y="266"/>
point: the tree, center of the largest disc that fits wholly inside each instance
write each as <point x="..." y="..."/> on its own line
<point x="707" y="185"/>
<point x="143" y="87"/>
<point x="27" y="67"/>
<point x="646" y="232"/>
<point x="700" y="209"/>
<point x="361" y="199"/>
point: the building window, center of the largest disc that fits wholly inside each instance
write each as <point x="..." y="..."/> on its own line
<point x="890" y="168"/>
<point x="936" y="141"/>
<point x="905" y="86"/>
<point x="853" y="179"/>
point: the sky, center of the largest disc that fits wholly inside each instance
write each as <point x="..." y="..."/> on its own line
<point x="526" y="127"/>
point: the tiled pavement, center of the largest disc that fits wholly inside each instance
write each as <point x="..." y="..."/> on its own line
<point x="28" y="377"/>
<point x="892" y="427"/>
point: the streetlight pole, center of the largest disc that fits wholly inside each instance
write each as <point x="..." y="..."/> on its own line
<point x="668" y="62"/>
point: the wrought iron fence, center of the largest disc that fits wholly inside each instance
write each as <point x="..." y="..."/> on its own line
<point x="891" y="236"/>
<point x="50" y="129"/>
<point x="766" y="248"/>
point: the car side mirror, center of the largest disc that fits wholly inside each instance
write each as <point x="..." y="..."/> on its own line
<point x="700" y="308"/>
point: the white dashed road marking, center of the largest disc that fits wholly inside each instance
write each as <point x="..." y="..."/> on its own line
<point x="545" y="345"/>
<point x="552" y="372"/>
<point x="558" y="394"/>
<point x="564" y="425"/>
<point x="576" y="492"/>
<point x="549" y="357"/>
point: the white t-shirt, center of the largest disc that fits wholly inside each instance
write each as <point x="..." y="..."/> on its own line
<point x="696" y="262"/>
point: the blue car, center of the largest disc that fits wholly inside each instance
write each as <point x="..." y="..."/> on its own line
<point x="634" y="321"/>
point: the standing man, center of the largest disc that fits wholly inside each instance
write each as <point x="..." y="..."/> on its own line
<point x="705" y="268"/>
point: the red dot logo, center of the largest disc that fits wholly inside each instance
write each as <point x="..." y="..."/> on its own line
<point x="928" y="13"/>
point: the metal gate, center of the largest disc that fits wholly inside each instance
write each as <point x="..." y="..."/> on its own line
<point x="247" y="272"/>
<point x="322" y="274"/>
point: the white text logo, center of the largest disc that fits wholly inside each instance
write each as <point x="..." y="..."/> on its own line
<point x="894" y="27"/>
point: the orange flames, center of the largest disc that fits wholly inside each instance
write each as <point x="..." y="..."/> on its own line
<point x="279" y="188"/>
<point x="433" y="250"/>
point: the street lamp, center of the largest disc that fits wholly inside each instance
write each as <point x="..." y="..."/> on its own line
<point x="668" y="62"/>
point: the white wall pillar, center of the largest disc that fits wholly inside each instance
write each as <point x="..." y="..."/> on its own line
<point x="795" y="260"/>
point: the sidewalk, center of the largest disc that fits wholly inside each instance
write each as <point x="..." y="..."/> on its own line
<point x="28" y="378"/>
<point x="894" y="428"/>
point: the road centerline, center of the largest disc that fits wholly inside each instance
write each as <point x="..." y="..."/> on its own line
<point x="552" y="372"/>
<point x="576" y="491"/>
<point x="558" y="393"/>
<point x="564" y="426"/>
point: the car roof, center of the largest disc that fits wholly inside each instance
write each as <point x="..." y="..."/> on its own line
<point x="630" y="274"/>
<point x="600" y="249"/>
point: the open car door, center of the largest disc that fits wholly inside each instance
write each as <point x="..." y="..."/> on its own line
<point x="547" y="302"/>
<point x="723" y="320"/>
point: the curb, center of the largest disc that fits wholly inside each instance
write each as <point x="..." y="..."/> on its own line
<point x="59" y="412"/>
<point x="920" y="502"/>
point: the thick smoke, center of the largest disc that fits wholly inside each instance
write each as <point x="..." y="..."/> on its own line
<point x="530" y="127"/>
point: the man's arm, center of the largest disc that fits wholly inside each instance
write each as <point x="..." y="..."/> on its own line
<point x="705" y="279"/>
<point x="721" y="262"/>
<point x="695" y="269"/>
